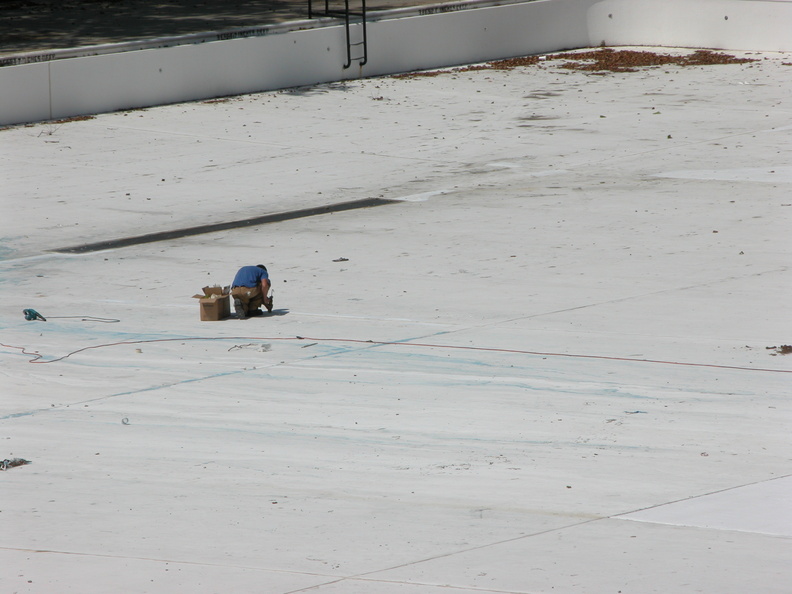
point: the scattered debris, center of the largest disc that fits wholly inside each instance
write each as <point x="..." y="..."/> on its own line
<point x="341" y="260"/>
<point x="125" y="421"/>
<point x="507" y="64"/>
<point x="264" y="347"/>
<point x="784" y="349"/>
<point x="11" y="463"/>
<point x="597" y="61"/>
<point x="82" y="118"/>
<point x="607" y="59"/>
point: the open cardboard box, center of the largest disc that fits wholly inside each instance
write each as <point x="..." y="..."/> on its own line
<point x="215" y="304"/>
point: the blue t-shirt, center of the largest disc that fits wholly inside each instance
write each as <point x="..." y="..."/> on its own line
<point x="249" y="276"/>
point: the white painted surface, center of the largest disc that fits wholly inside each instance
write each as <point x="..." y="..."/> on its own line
<point x="771" y="175"/>
<point x="723" y="24"/>
<point x="470" y="36"/>
<point x="404" y="42"/>
<point x="350" y="466"/>
<point x="158" y="76"/>
<point x="733" y="509"/>
<point x="24" y="93"/>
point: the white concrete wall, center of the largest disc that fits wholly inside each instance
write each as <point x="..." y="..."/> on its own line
<point x="399" y="41"/>
<point x="188" y="72"/>
<point x="24" y="93"/>
<point x="469" y="36"/>
<point x="760" y="25"/>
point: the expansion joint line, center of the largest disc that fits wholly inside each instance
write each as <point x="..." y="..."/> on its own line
<point x="368" y="576"/>
<point x="546" y="354"/>
<point x="38" y="358"/>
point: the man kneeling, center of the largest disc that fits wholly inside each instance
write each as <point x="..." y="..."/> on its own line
<point x="250" y="291"/>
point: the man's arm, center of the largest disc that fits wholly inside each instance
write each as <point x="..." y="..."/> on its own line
<point x="265" y="287"/>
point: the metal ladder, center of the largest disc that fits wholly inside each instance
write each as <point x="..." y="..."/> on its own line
<point x="346" y="14"/>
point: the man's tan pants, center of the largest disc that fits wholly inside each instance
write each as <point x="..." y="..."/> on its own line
<point x="250" y="297"/>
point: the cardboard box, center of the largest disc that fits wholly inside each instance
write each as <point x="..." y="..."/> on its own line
<point x="214" y="303"/>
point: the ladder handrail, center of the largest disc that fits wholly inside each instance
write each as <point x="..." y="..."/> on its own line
<point x="345" y="14"/>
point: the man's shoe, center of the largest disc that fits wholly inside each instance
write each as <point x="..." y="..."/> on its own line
<point x="255" y="312"/>
<point x="239" y="308"/>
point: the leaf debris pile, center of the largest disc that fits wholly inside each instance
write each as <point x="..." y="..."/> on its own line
<point x="607" y="59"/>
<point x="784" y="349"/>
<point x="597" y="61"/>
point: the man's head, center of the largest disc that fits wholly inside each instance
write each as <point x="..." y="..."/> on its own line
<point x="264" y="268"/>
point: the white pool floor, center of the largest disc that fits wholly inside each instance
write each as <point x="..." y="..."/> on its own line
<point x="553" y="364"/>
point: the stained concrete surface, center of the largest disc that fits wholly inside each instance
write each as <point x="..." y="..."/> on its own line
<point x="554" y="364"/>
